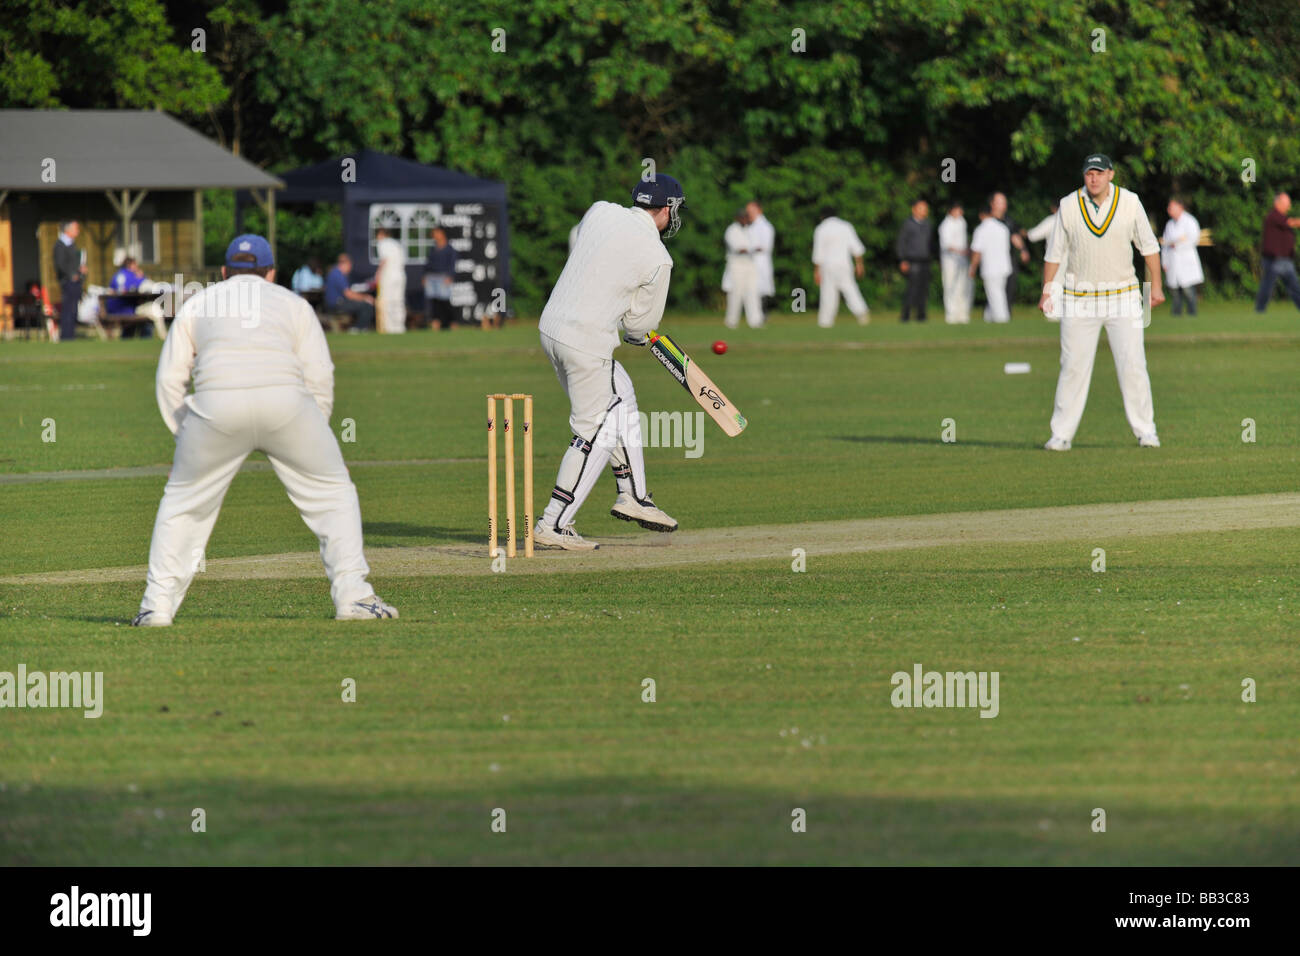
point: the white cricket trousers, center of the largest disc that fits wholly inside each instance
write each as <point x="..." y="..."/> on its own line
<point x="744" y="292"/>
<point x="390" y="307"/>
<point x="1079" y="334"/>
<point x="222" y="427"/>
<point x="606" y="428"/>
<point x="838" y="282"/>
<point x="995" y="291"/>
<point x="957" y="288"/>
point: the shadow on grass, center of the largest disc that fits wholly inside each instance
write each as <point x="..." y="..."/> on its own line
<point x="605" y="821"/>
<point x="396" y="529"/>
<point x="916" y="440"/>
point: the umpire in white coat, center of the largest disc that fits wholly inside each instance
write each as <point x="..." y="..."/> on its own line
<point x="263" y="381"/>
<point x="1097" y="227"/>
<point x="1179" y="257"/>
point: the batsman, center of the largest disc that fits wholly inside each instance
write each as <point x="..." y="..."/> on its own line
<point x="614" y="284"/>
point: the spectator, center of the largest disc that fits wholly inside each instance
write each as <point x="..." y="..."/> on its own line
<point x="1181" y="262"/>
<point x="339" y="296"/>
<point x="69" y="269"/>
<point x="762" y="240"/>
<point x="991" y="254"/>
<point x="308" y="278"/>
<point x="837" y="258"/>
<point x="740" y="280"/>
<point x="998" y="205"/>
<point x="1278" y="246"/>
<point x="915" y="250"/>
<point x="390" y="281"/>
<point x="441" y="265"/>
<point x="128" y="278"/>
<point x="954" y="259"/>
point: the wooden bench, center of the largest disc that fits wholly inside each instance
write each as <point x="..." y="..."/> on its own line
<point x="118" y="321"/>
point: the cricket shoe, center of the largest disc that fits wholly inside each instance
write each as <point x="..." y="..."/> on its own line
<point x="1057" y="444"/>
<point x="367" y="609"/>
<point x="150" y="619"/>
<point x="643" y="513"/>
<point x="565" y="538"/>
<point x="1149" y="441"/>
<point x="865" y="318"/>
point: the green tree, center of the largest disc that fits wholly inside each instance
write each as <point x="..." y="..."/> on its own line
<point x="100" y="54"/>
<point x="855" y="105"/>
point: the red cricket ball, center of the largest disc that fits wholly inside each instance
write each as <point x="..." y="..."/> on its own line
<point x="719" y="347"/>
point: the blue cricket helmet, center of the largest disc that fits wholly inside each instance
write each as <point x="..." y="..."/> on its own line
<point x="658" y="191"/>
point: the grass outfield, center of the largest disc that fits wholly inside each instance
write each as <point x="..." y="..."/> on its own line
<point x="1120" y="690"/>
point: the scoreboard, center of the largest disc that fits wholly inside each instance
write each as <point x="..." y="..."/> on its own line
<point x="473" y="230"/>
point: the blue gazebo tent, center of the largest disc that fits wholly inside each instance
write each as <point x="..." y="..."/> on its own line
<point x="411" y="198"/>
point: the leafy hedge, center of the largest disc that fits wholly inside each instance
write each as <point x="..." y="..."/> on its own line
<point x="722" y="95"/>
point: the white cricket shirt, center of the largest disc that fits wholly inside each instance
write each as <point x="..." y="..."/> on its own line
<point x="952" y="235"/>
<point x="616" y="275"/>
<point x="762" y="239"/>
<point x="992" y="240"/>
<point x="244" y="332"/>
<point x="835" y="244"/>
<point x="737" y="239"/>
<point x="1099" y="240"/>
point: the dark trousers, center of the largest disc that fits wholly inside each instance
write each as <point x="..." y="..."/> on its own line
<point x="137" y="330"/>
<point x="68" y="309"/>
<point x="1277" y="269"/>
<point x="1011" y="280"/>
<point x="440" y="313"/>
<point x="1180" y="294"/>
<point x="918" y="288"/>
<point x="363" y="313"/>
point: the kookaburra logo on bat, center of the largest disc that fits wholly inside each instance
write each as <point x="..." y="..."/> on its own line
<point x="696" y="383"/>
<point x="711" y="395"/>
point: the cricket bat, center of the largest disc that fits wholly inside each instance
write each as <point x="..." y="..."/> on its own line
<point x="692" y="379"/>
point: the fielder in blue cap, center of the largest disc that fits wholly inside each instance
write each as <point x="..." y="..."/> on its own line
<point x="263" y="381"/>
<point x="249" y="251"/>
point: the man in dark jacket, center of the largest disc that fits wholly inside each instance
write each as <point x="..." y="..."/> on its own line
<point x="69" y="270"/>
<point x="440" y="273"/>
<point x="1277" y="248"/>
<point x="915" y="250"/>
